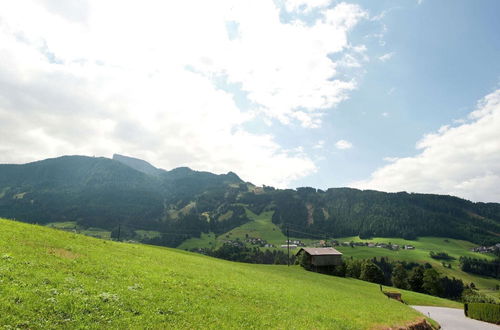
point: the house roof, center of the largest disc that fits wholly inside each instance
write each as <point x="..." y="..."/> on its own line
<point x="321" y="251"/>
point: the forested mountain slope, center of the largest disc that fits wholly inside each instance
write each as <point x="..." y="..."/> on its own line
<point x="125" y="194"/>
<point x="346" y="212"/>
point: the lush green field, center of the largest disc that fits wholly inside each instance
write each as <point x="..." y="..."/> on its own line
<point x="73" y="227"/>
<point x="423" y="246"/>
<point x="262" y="227"/>
<point x="56" y="279"/>
<point x="206" y="241"/>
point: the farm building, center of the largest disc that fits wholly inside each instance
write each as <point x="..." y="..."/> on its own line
<point x="320" y="257"/>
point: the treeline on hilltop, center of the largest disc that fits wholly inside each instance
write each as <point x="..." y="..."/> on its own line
<point x="347" y="212"/>
<point x="182" y="203"/>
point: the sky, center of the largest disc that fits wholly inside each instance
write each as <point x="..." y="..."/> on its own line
<point x="385" y="95"/>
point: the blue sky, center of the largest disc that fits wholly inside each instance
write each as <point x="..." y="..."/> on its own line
<point x="445" y="58"/>
<point x="385" y="95"/>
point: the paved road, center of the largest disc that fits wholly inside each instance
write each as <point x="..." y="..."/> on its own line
<point x="454" y="319"/>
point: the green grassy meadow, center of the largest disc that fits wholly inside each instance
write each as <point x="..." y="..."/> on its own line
<point x="423" y="246"/>
<point x="206" y="241"/>
<point x="56" y="279"/>
<point x="73" y="227"/>
<point x="261" y="226"/>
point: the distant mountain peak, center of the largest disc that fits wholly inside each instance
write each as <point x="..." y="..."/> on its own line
<point x="137" y="164"/>
<point x="234" y="176"/>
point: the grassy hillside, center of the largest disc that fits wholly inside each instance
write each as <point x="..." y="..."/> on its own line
<point x="55" y="279"/>
<point x="261" y="226"/>
<point x="423" y="246"/>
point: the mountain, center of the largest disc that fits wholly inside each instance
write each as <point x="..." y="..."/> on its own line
<point x="347" y="212"/>
<point x="108" y="194"/>
<point x="137" y="164"/>
<point x="96" y="192"/>
<point x="125" y="195"/>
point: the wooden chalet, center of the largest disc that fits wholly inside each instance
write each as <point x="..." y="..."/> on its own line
<point x="321" y="257"/>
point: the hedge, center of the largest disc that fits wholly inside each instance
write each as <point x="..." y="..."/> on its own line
<point x="483" y="311"/>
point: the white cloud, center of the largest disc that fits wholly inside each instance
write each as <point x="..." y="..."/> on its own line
<point x="95" y="77"/>
<point x="463" y="160"/>
<point x="306" y="5"/>
<point x="386" y="57"/>
<point x="343" y="144"/>
<point x="385" y="114"/>
<point x="319" y="145"/>
<point x="285" y="68"/>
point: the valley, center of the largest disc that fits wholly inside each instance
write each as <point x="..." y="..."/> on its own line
<point x="261" y="227"/>
<point x="122" y="202"/>
<point x="51" y="278"/>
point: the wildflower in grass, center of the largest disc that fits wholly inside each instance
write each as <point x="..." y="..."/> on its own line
<point x="108" y="297"/>
<point x="135" y="287"/>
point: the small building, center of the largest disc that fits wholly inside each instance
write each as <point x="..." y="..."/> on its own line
<point x="320" y="257"/>
<point x="286" y="246"/>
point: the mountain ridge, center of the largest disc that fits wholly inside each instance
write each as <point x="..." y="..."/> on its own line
<point x="183" y="203"/>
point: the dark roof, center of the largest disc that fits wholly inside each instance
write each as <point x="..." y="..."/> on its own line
<point x="321" y="251"/>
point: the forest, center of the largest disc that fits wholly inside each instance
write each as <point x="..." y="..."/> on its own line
<point x="480" y="266"/>
<point x="182" y="203"/>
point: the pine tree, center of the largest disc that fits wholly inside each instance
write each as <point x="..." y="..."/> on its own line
<point x="416" y="279"/>
<point x="431" y="282"/>
<point x="400" y="277"/>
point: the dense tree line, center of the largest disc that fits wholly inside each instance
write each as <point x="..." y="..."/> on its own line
<point x="403" y="275"/>
<point x="239" y="252"/>
<point x="481" y="266"/>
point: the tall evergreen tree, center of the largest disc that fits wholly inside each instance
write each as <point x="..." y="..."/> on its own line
<point x="400" y="277"/>
<point x="431" y="282"/>
<point x="416" y="279"/>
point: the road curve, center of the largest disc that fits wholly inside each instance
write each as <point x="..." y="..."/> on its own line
<point x="454" y="319"/>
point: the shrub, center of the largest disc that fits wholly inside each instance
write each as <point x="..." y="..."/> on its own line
<point x="353" y="268"/>
<point x="472" y="296"/>
<point x="483" y="311"/>
<point x="440" y="255"/>
<point x="304" y="261"/>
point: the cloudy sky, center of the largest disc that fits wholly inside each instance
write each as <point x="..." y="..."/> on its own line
<point x="386" y="95"/>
